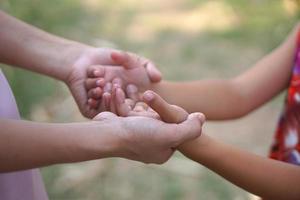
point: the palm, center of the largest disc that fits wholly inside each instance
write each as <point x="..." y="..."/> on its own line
<point x="76" y="86"/>
<point x="78" y="75"/>
<point x="103" y="58"/>
<point x="147" y="140"/>
<point x="137" y="76"/>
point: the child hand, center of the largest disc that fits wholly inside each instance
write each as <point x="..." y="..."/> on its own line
<point x="153" y="106"/>
<point x="145" y="139"/>
<point x="149" y="103"/>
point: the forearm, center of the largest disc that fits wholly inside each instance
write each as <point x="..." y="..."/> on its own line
<point x="217" y="99"/>
<point x="25" y="46"/>
<point x="25" y="145"/>
<point x="267" y="178"/>
<point x="226" y="99"/>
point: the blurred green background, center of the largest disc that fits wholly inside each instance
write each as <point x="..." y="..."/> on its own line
<point x="187" y="39"/>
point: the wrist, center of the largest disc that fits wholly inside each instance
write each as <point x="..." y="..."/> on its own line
<point x="73" y="52"/>
<point x="198" y="148"/>
<point x="102" y="139"/>
<point x="36" y="50"/>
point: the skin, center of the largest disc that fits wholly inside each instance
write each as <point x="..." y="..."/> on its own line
<point x="66" y="60"/>
<point x="240" y="167"/>
<point x="222" y="99"/>
<point x="239" y="96"/>
<point x="229" y="99"/>
<point x="244" y="169"/>
<point x="26" y="144"/>
<point x="127" y="65"/>
<point x="137" y="138"/>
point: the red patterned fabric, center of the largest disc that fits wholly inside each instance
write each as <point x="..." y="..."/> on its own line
<point x="286" y="146"/>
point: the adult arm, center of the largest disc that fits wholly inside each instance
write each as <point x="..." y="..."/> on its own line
<point x="28" y="47"/>
<point x="25" y="46"/>
<point x="25" y="145"/>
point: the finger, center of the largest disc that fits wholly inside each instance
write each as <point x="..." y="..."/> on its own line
<point x="122" y="108"/>
<point x="107" y="88"/>
<point x="122" y="58"/>
<point x="95" y="71"/>
<point x="132" y="92"/>
<point x="113" y="99"/>
<point x="168" y="113"/>
<point x="106" y="101"/>
<point x="153" y="115"/>
<point x="104" y="115"/>
<point x="95" y="93"/>
<point x="130" y="102"/>
<point x="117" y="82"/>
<point x="128" y="60"/>
<point x="101" y="105"/>
<point x="93" y="104"/>
<point x="153" y="73"/>
<point x="140" y="107"/>
<point x="92" y="112"/>
<point x="189" y="129"/>
<point x="94" y="82"/>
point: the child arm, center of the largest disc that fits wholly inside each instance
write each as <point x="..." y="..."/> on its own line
<point x="225" y="99"/>
<point x="262" y="176"/>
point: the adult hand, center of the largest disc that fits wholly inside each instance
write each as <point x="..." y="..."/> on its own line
<point x="64" y="59"/>
<point x="150" y="105"/>
<point x="136" y="70"/>
<point x="150" y="140"/>
<point x="107" y="63"/>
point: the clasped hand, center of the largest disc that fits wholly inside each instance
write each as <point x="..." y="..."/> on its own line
<point x="152" y="128"/>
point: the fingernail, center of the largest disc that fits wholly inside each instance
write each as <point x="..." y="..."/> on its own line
<point x="116" y="86"/>
<point x="148" y="96"/>
<point x="201" y="117"/>
<point x="97" y="73"/>
<point x="98" y="82"/>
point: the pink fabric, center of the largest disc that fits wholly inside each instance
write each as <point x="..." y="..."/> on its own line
<point x="21" y="185"/>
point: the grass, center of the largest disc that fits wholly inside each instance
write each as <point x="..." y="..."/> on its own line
<point x="181" y="54"/>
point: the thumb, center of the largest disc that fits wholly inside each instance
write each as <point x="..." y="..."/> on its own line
<point x="191" y="128"/>
<point x="168" y="113"/>
<point x="128" y="61"/>
<point x="153" y="73"/>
